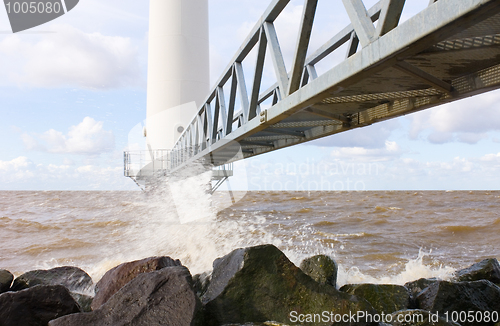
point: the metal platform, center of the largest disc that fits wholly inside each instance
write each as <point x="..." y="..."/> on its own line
<point x="448" y="51"/>
<point x="146" y="166"/>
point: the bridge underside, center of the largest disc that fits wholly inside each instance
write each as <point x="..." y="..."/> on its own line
<point x="462" y="65"/>
<point x="449" y="51"/>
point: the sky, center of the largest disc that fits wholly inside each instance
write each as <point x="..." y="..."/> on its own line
<point x="71" y="91"/>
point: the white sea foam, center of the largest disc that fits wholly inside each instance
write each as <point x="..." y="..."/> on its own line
<point x="178" y="219"/>
<point x="414" y="269"/>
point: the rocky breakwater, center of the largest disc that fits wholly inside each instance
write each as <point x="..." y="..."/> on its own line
<point x="36" y="297"/>
<point x="249" y="286"/>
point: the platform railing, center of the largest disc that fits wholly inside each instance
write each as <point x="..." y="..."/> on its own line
<point x="142" y="164"/>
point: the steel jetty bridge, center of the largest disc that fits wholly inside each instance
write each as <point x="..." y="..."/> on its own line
<point x="448" y="51"/>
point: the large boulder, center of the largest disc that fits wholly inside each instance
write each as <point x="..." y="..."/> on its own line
<point x="6" y="279"/>
<point x="417" y="317"/>
<point x="36" y="306"/>
<point x="77" y="281"/>
<point x="164" y="297"/>
<point x="455" y="297"/>
<point x="259" y="284"/>
<point x="385" y="298"/>
<point x="73" y="278"/>
<point x="117" y="277"/>
<point x="415" y="287"/>
<point x="321" y="268"/>
<point x="487" y="269"/>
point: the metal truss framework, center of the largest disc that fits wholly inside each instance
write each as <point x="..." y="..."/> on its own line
<point x="448" y="51"/>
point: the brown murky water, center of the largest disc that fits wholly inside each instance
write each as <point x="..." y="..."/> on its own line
<point x="376" y="236"/>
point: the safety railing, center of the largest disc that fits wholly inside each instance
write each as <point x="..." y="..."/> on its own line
<point x="143" y="164"/>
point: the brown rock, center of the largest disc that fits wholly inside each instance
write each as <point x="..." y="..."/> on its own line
<point x="73" y="278"/>
<point x="76" y="280"/>
<point x="6" y="278"/>
<point x="36" y="306"/>
<point x="164" y="297"/>
<point x="117" y="277"/>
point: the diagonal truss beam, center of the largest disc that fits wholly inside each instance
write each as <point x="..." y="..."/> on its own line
<point x="389" y="16"/>
<point x="242" y="87"/>
<point x="361" y="21"/>
<point x="298" y="95"/>
<point x="302" y="44"/>
<point x="277" y="57"/>
<point x="340" y="38"/>
<point x="257" y="79"/>
<point x="232" y="101"/>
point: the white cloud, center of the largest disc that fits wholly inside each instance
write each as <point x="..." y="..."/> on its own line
<point x="31" y="143"/>
<point x="470" y="137"/>
<point x="88" y="137"/>
<point x="492" y="158"/>
<point x="468" y="120"/>
<point x="69" y="57"/>
<point x="458" y="169"/>
<point x="23" y="173"/>
<point x="68" y="161"/>
<point x="389" y="152"/>
<point x="21" y="166"/>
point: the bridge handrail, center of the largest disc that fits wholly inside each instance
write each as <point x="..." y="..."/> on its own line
<point x="215" y="120"/>
<point x="250" y="106"/>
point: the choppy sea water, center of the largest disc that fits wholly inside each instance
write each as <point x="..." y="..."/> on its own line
<point x="375" y="236"/>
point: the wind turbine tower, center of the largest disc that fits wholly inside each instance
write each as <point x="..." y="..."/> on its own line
<point x="178" y="68"/>
<point x="178" y="84"/>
